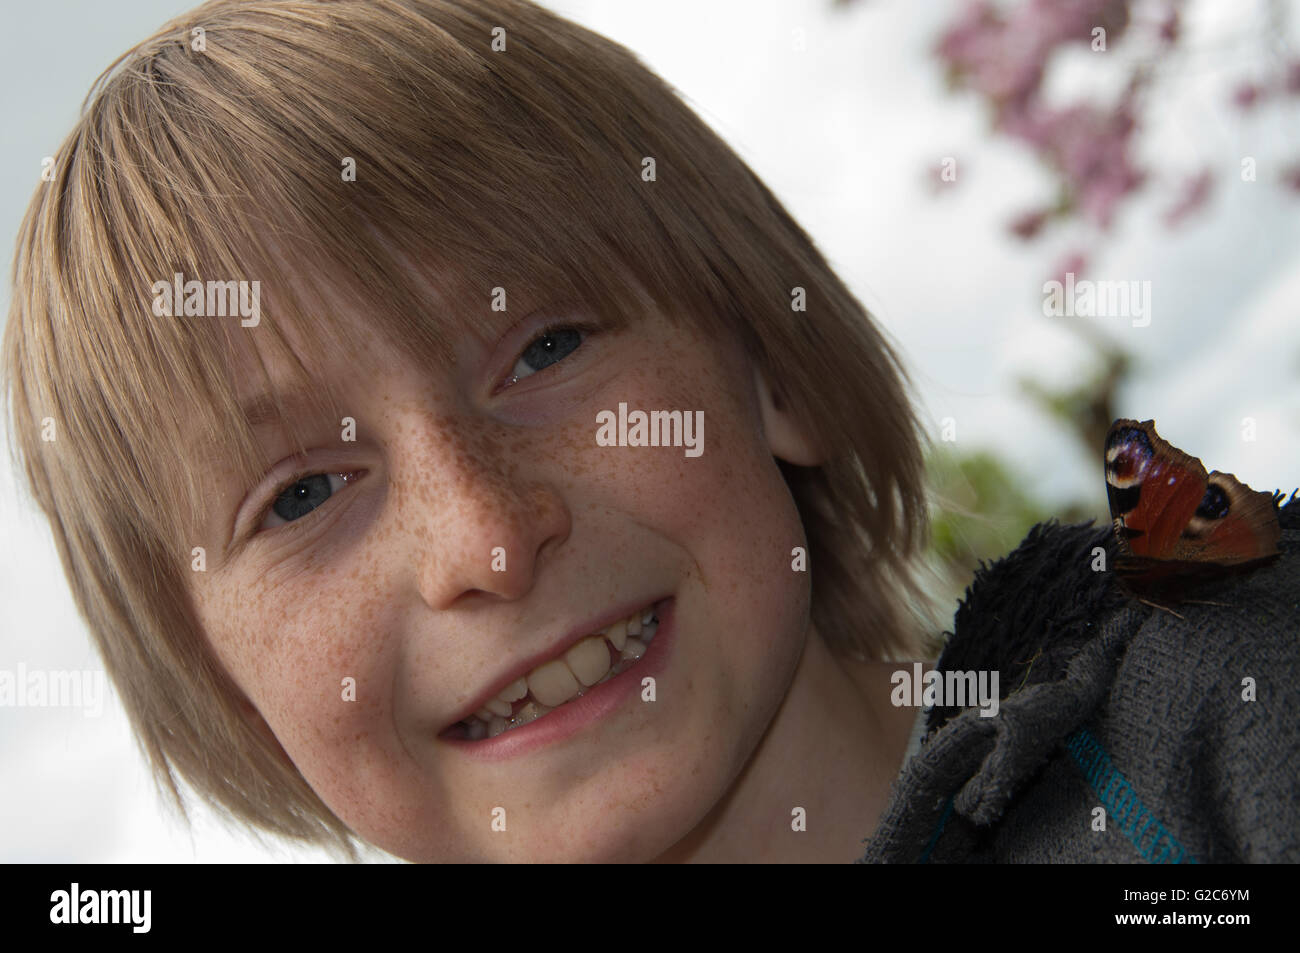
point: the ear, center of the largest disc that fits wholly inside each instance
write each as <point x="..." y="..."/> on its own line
<point x="787" y="437"/>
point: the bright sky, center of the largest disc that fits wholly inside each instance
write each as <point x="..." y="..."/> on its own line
<point x="842" y="132"/>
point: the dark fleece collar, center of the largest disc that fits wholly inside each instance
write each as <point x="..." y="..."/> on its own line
<point x="1026" y="618"/>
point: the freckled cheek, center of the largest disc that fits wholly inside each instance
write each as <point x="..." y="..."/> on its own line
<point x="728" y="511"/>
<point x="372" y="785"/>
<point x="313" y="672"/>
<point x="346" y="748"/>
<point x="732" y="493"/>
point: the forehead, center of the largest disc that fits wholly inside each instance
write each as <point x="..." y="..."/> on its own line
<point x="320" y="312"/>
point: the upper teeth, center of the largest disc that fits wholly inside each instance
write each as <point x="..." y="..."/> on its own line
<point x="553" y="683"/>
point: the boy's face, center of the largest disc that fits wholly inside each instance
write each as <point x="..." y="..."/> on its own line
<point x="391" y="581"/>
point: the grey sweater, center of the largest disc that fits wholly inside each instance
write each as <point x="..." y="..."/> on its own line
<point x="1108" y="703"/>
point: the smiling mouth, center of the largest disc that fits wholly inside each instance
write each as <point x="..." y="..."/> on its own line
<point x="591" y="662"/>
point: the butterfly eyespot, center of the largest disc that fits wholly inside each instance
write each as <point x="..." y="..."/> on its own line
<point x="1214" y="505"/>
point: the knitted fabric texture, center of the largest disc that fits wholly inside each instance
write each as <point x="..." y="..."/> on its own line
<point x="1111" y="704"/>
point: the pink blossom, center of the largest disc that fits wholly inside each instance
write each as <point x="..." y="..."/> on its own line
<point x="1246" y="95"/>
<point x="935" y="178"/>
<point x="1002" y="50"/>
<point x="1196" y="191"/>
<point x="1073" y="263"/>
<point x="1292" y="82"/>
<point x="1170" y="26"/>
<point x="1004" y="58"/>
<point x="982" y="52"/>
<point x="1089" y="146"/>
<point x="1291" y="177"/>
<point x="1028" y="224"/>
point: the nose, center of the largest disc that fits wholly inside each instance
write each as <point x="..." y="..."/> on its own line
<point x="484" y="510"/>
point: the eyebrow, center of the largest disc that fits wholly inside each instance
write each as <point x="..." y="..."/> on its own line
<point x="261" y="409"/>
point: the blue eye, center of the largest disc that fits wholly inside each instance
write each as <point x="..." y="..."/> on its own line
<point x="550" y="347"/>
<point x="301" y="497"/>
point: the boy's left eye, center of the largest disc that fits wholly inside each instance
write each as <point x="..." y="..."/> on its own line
<point x="304" y="495"/>
<point x="549" y="347"/>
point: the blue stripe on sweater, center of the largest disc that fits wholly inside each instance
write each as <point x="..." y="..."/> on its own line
<point x="1117" y="796"/>
<point x="1123" y="804"/>
<point x="934" y="839"/>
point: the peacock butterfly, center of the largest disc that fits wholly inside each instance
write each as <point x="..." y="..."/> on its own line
<point x="1176" y="525"/>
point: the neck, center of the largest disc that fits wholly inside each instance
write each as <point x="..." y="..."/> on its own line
<point x="833" y="748"/>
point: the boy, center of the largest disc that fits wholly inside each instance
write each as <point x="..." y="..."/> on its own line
<point x="460" y="450"/>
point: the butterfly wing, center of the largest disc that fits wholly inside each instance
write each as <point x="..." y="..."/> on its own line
<point x="1232" y="524"/>
<point x="1172" y="518"/>
<point x="1153" y="488"/>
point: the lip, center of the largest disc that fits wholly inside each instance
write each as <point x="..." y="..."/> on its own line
<point x="574" y="715"/>
<point x="568" y="641"/>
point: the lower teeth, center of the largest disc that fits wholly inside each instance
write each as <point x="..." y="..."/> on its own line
<point x="476" y="729"/>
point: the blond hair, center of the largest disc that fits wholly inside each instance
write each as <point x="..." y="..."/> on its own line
<point x="216" y="153"/>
